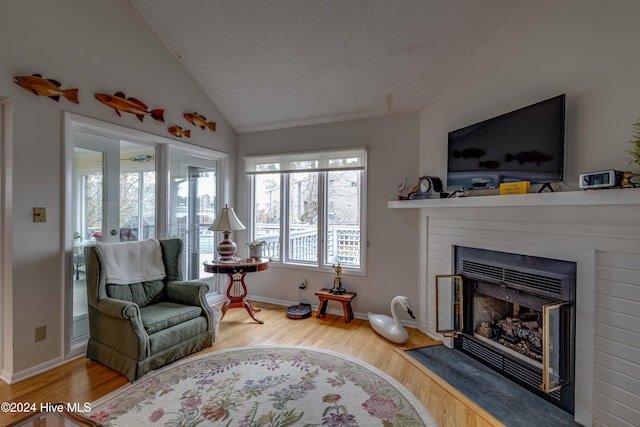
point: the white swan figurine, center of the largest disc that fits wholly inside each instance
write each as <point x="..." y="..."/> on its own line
<point x="390" y="328"/>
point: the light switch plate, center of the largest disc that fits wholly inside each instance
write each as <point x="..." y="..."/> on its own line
<point x="39" y="214"/>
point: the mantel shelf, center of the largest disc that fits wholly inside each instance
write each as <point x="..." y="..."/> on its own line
<point x="618" y="196"/>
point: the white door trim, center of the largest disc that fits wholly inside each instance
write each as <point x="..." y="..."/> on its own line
<point x="6" y="239"/>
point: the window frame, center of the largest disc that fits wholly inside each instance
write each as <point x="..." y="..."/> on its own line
<point x="323" y="219"/>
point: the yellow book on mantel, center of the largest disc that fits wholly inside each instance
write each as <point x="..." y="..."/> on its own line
<point x="521" y="187"/>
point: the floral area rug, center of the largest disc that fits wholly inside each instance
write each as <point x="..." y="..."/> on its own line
<point x="264" y="386"/>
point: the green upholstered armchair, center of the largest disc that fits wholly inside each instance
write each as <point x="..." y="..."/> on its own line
<point x="138" y="327"/>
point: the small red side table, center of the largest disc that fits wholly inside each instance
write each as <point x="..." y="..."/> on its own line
<point x="324" y="295"/>
<point x="237" y="290"/>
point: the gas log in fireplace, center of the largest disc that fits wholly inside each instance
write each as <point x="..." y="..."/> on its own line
<point x="515" y="314"/>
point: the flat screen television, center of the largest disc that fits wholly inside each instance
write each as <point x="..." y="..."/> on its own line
<point x="523" y="145"/>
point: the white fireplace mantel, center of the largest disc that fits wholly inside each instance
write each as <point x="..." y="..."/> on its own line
<point x="597" y="229"/>
<point x="616" y="196"/>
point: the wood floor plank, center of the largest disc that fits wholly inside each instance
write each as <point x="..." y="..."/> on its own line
<point x="83" y="380"/>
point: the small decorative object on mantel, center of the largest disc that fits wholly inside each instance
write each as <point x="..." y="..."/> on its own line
<point x="600" y="179"/>
<point x="429" y="187"/>
<point x="401" y="188"/>
<point x="634" y="152"/>
<point x="520" y="187"/>
<point x="630" y="179"/>
<point x="198" y="120"/>
<point x="46" y="87"/>
<point x="337" y="281"/>
<point x="178" y="132"/>
<point x="609" y="178"/>
<point x="120" y="102"/>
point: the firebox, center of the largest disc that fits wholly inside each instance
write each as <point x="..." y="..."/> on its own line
<point x="516" y="314"/>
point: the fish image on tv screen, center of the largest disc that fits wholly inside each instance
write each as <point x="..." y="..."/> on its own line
<point x="523" y="145"/>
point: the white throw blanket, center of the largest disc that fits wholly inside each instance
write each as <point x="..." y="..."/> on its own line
<point x="132" y="262"/>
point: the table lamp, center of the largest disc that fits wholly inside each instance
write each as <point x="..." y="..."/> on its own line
<point x="227" y="221"/>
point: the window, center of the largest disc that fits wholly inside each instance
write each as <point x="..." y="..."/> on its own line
<point x="309" y="207"/>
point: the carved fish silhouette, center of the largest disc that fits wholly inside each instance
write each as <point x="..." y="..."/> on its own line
<point x="46" y="87"/>
<point x="198" y="120"/>
<point x="529" y="157"/>
<point x="469" y="153"/>
<point x="177" y="131"/>
<point x="120" y="102"/>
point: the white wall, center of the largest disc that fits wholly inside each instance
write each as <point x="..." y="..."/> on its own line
<point x="584" y="48"/>
<point x="98" y="47"/>
<point x="392" y="144"/>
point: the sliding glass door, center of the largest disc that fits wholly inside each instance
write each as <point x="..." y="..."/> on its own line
<point x="115" y="193"/>
<point x="193" y="193"/>
<point x="115" y="190"/>
<point x="114" y="196"/>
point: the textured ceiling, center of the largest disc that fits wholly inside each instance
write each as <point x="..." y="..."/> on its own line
<point x="279" y="63"/>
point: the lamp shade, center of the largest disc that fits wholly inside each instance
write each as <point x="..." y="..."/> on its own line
<point x="227" y="221"/>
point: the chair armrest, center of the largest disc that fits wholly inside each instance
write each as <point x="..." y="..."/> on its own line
<point x="112" y="315"/>
<point x="188" y="292"/>
<point x="118" y="308"/>
<point x="192" y="293"/>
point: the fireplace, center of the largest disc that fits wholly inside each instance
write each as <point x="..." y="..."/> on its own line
<point x="515" y="314"/>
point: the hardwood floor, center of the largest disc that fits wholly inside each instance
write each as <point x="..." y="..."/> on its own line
<point x="84" y="380"/>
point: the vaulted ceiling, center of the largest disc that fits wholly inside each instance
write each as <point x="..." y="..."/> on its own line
<point x="269" y="64"/>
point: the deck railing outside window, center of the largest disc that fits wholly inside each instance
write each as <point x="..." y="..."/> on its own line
<point x="344" y="244"/>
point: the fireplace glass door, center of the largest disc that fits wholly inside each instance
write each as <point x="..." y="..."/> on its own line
<point x="554" y="362"/>
<point x="524" y="327"/>
<point x="449" y="305"/>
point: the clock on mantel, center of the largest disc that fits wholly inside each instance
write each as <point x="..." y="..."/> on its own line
<point x="429" y="187"/>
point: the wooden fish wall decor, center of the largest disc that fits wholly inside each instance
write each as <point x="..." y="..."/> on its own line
<point x="198" y="120"/>
<point x="46" y="87"/>
<point x="120" y="102"/>
<point x="178" y="132"/>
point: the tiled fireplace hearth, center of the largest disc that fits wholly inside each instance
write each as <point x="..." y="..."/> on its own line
<point x="596" y="231"/>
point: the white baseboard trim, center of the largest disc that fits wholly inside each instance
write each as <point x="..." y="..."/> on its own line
<point x="77" y="351"/>
<point x="5" y="376"/>
<point x="78" y="348"/>
<point x="14" y="377"/>
<point x="215" y="298"/>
